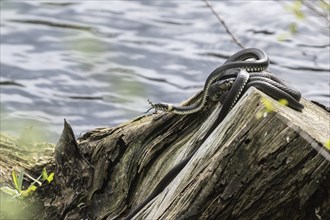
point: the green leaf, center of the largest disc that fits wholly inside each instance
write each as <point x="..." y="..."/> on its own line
<point x="327" y="144"/>
<point x="32" y="188"/>
<point x="50" y="177"/>
<point x="296" y="9"/>
<point x="267" y="104"/>
<point x="29" y="190"/>
<point x="268" y="107"/>
<point x="293" y="28"/>
<point x="44" y="174"/>
<point x="283" y="102"/>
<point x="15" y="180"/>
<point x="283" y="36"/>
<point x="9" y="191"/>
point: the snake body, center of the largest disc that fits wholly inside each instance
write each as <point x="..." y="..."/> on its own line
<point x="238" y="60"/>
<point x="265" y="82"/>
<point x="226" y="84"/>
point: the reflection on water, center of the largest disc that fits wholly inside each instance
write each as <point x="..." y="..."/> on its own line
<point x="97" y="64"/>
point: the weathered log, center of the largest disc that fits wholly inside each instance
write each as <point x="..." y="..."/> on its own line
<point x="248" y="168"/>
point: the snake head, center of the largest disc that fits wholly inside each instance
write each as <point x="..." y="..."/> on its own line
<point x="159" y="106"/>
<point x="219" y="88"/>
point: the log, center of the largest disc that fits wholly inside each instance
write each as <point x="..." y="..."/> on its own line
<point x="248" y="168"/>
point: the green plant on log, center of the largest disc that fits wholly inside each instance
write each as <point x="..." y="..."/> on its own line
<point x="268" y="107"/>
<point x="18" y="190"/>
<point x="327" y="144"/>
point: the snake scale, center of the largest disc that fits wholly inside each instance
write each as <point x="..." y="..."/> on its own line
<point x="226" y="84"/>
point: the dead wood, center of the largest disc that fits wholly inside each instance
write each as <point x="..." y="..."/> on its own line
<point x="248" y="168"/>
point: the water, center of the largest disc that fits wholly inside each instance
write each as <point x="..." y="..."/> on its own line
<point x="96" y="63"/>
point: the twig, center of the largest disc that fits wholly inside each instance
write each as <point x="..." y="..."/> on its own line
<point x="317" y="12"/>
<point x="224" y="24"/>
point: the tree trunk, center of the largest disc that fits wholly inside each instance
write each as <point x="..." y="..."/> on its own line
<point x="248" y="168"/>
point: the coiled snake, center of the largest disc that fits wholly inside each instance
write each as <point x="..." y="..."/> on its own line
<point x="265" y="82"/>
<point x="226" y="84"/>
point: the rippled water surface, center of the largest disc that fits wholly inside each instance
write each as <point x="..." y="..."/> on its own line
<point x="96" y="63"/>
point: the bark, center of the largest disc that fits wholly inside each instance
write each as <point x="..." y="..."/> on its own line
<point x="248" y="168"/>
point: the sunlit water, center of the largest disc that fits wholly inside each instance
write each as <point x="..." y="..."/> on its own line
<point x="96" y="63"/>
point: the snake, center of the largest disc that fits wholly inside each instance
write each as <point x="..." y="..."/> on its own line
<point x="226" y="84"/>
<point x="264" y="81"/>
<point x="238" y="60"/>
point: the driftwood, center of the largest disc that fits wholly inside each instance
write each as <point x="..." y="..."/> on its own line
<point x="249" y="168"/>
